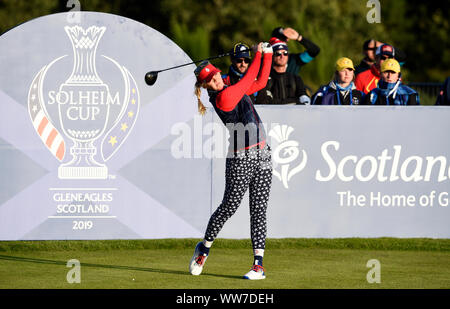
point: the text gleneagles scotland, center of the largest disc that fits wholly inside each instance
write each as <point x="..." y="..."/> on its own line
<point x="82" y="202"/>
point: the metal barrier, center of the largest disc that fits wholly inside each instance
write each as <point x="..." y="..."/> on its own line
<point x="428" y="92"/>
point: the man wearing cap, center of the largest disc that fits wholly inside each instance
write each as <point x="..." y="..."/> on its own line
<point x="341" y="90"/>
<point x="283" y="87"/>
<point x="390" y="90"/>
<point x="296" y="61"/>
<point x="368" y="80"/>
<point x="240" y="60"/>
<point x="369" y="48"/>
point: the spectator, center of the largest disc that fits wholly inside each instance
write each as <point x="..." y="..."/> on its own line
<point x="368" y="80"/>
<point x="240" y="60"/>
<point x="369" y="48"/>
<point x="390" y="89"/>
<point x="444" y="95"/>
<point x="296" y="61"/>
<point x="282" y="87"/>
<point x="341" y="90"/>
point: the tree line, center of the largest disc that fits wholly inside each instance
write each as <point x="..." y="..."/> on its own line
<point x="338" y="27"/>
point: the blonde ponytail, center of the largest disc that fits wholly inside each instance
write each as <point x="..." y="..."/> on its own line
<point x="198" y="93"/>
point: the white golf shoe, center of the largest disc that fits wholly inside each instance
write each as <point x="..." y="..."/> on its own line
<point x="197" y="261"/>
<point x="256" y="273"/>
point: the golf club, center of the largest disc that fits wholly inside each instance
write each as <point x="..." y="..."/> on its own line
<point x="150" y="77"/>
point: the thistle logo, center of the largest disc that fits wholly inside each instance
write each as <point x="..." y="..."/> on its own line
<point x="286" y="152"/>
<point x="82" y="107"/>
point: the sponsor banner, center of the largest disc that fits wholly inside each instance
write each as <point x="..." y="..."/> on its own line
<point x="350" y="172"/>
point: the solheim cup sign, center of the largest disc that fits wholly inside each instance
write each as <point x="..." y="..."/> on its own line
<point x="94" y="117"/>
<point x="81" y="129"/>
<point x="83" y="109"/>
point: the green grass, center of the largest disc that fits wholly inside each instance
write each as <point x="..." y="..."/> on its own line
<point x="289" y="263"/>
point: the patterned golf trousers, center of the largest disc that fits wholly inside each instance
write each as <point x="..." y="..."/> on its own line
<point x="250" y="169"/>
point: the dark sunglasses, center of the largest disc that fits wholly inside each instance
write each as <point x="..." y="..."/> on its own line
<point x="385" y="57"/>
<point x="246" y="60"/>
<point x="371" y="48"/>
<point x="278" y="54"/>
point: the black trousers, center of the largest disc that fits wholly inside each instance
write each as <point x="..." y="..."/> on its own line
<point x="250" y="169"/>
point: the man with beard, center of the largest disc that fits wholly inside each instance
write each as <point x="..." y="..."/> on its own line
<point x="282" y="87"/>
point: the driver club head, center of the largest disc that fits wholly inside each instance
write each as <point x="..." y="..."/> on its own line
<point x="150" y="78"/>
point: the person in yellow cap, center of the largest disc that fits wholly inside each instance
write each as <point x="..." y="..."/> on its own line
<point x="341" y="90"/>
<point x="390" y="90"/>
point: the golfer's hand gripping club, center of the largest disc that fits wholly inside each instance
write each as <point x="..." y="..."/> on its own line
<point x="267" y="48"/>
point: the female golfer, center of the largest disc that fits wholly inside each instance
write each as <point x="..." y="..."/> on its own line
<point x="248" y="164"/>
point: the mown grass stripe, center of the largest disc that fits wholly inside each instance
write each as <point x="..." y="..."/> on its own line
<point x="419" y="244"/>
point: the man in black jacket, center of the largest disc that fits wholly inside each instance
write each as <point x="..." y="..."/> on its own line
<point x="369" y="48"/>
<point x="283" y="87"/>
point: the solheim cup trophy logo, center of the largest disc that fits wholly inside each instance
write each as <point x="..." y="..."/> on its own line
<point x="91" y="123"/>
<point x="89" y="112"/>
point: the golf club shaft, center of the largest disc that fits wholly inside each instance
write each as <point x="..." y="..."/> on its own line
<point x="193" y="62"/>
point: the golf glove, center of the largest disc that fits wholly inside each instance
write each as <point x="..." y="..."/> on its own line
<point x="267" y="48"/>
<point x="304" y="99"/>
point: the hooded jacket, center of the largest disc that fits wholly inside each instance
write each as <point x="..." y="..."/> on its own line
<point x="392" y="94"/>
<point x="329" y="95"/>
